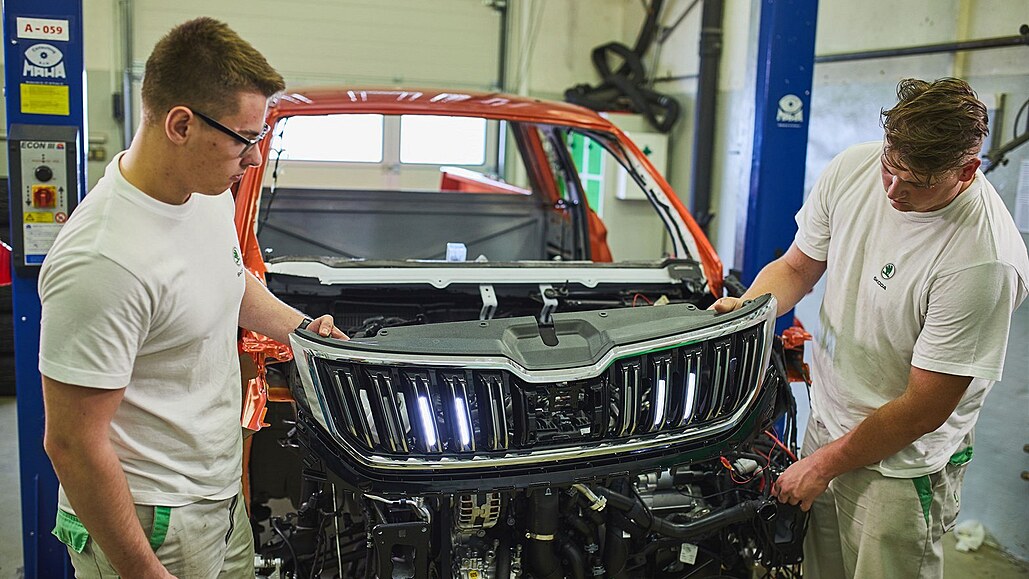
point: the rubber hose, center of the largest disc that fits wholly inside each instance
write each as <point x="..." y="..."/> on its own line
<point x="503" y="560"/>
<point x="616" y="549"/>
<point x="699" y="528"/>
<point x="543" y="511"/>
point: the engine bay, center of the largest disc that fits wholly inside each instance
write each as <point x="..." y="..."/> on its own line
<point x="684" y="491"/>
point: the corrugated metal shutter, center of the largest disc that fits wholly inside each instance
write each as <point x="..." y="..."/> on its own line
<point x="448" y="43"/>
<point x="415" y="43"/>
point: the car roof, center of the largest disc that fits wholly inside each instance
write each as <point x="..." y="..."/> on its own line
<point x="490" y="105"/>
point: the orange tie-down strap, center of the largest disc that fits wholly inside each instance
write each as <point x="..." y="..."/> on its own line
<point x="255" y="351"/>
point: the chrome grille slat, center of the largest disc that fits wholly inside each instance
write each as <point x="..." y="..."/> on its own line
<point x="630" y="397"/>
<point x="660" y="399"/>
<point x="691" y="378"/>
<point x="494" y="389"/>
<point x="755" y="363"/>
<point x="732" y="373"/>
<point x="753" y="349"/>
<point x="424" y="413"/>
<point x="353" y="412"/>
<point x="717" y="390"/>
<point x="386" y="404"/>
<point x="462" y="430"/>
<point x="346" y="412"/>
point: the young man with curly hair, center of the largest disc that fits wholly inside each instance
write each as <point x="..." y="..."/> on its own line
<point x="924" y="267"/>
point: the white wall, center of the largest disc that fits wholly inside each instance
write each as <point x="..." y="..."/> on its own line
<point x="551" y="40"/>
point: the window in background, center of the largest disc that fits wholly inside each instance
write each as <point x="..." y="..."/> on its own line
<point x="589" y="156"/>
<point x="339" y="138"/>
<point x="441" y="140"/>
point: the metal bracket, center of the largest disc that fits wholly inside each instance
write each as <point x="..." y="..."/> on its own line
<point x="549" y="296"/>
<point x="414" y="536"/>
<point x="489" y="301"/>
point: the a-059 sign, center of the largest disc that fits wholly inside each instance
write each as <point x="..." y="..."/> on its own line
<point x="43" y="29"/>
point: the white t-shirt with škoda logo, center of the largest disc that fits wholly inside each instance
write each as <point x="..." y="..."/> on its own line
<point x="145" y="296"/>
<point x="933" y="290"/>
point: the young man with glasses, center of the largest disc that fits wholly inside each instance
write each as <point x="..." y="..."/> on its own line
<point x="924" y="269"/>
<point x="142" y="295"/>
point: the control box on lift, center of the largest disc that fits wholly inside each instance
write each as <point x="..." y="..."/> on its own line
<point x="44" y="188"/>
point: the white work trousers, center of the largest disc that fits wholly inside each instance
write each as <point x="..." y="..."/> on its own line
<point x="868" y="526"/>
<point x="203" y="540"/>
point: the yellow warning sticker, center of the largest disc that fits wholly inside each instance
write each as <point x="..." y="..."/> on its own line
<point x="45" y="99"/>
<point x="39" y="217"/>
<point x="473" y="574"/>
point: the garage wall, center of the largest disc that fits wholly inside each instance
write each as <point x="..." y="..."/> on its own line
<point x="551" y="41"/>
<point x="452" y="43"/>
<point x="677" y="61"/>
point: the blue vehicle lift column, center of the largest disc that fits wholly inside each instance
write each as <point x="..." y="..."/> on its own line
<point x="46" y="127"/>
<point x="786" y="54"/>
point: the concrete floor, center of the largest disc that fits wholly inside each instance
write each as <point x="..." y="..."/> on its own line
<point x="10" y="506"/>
<point x="986" y="563"/>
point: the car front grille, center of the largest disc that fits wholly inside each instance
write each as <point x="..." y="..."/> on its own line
<point x="408" y="402"/>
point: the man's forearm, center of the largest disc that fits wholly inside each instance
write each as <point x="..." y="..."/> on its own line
<point x="780" y="279"/>
<point x="76" y="439"/>
<point x="883" y="433"/>
<point x="925" y="405"/>
<point x="930" y="398"/>
<point x="788" y="278"/>
<point x="95" y="485"/>
<point x="262" y="312"/>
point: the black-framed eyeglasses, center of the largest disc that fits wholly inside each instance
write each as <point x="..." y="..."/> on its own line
<point x="248" y="143"/>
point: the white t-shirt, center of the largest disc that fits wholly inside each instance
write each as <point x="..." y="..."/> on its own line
<point x="143" y="295"/>
<point x="933" y="290"/>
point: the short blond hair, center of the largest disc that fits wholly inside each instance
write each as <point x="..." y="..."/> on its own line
<point x="204" y="64"/>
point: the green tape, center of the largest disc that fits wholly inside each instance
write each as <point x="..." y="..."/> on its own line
<point x="924" y="488"/>
<point x="162" y="518"/>
<point x="69" y="530"/>
<point x="961" y="457"/>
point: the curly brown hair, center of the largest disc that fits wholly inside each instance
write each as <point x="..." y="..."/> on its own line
<point x="935" y="127"/>
<point x="204" y="64"/>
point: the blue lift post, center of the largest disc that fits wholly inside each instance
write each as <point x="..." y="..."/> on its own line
<point x="786" y="57"/>
<point x="40" y="93"/>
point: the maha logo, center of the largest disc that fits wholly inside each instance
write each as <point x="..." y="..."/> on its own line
<point x="791" y="109"/>
<point x="43" y="61"/>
